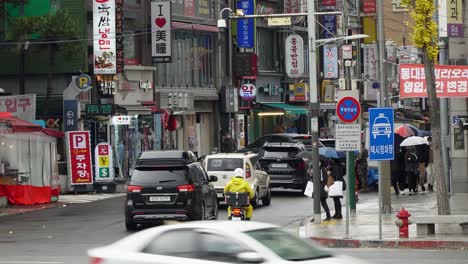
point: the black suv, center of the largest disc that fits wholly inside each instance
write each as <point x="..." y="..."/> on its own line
<point x="279" y="137"/>
<point x="169" y="185"/>
<point x="283" y="164"/>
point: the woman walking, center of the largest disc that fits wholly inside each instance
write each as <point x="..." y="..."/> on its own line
<point x="337" y="172"/>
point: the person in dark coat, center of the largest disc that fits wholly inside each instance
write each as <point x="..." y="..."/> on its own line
<point x="337" y="172"/>
<point x="323" y="193"/>
<point x="411" y="168"/>
<point x="228" y="144"/>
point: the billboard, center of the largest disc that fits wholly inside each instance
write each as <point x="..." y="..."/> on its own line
<point x="21" y="106"/>
<point x="104" y="37"/>
<point x="451" y="81"/>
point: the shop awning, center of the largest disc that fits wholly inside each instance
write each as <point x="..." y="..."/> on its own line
<point x="19" y="125"/>
<point x="289" y="109"/>
<point x="53" y="133"/>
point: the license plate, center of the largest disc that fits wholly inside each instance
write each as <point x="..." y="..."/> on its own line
<point x="279" y="165"/>
<point x="236" y="218"/>
<point x="159" y="198"/>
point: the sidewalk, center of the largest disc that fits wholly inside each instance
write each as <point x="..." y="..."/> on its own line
<point x="364" y="225"/>
<point x="64" y="200"/>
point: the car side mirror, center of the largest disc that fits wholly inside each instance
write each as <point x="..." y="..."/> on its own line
<point x="250" y="257"/>
<point x="213" y="178"/>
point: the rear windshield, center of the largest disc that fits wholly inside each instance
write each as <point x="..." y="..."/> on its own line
<point x="277" y="152"/>
<point x="148" y="176"/>
<point x="225" y="164"/>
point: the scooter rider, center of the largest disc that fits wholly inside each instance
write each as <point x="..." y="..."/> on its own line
<point x="238" y="184"/>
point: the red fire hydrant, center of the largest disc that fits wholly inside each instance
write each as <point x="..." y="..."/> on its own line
<point x="403" y="222"/>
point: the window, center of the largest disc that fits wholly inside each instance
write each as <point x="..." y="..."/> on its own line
<point x="218" y="248"/>
<point x="197" y="174"/>
<point x="266" y="49"/>
<point x="254" y="161"/>
<point x="146" y="176"/>
<point x="286" y="245"/>
<point x="180" y="243"/>
<point x="224" y="164"/>
<point x="280" y="152"/>
<point x="192" y="63"/>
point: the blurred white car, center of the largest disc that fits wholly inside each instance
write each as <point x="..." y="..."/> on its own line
<point x="222" y="166"/>
<point x="215" y="242"/>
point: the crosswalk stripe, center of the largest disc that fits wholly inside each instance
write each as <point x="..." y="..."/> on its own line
<point x="87" y="198"/>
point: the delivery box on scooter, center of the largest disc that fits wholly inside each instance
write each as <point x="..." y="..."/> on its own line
<point x="237" y="199"/>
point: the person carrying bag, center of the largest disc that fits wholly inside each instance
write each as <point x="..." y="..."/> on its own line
<point x="336" y="190"/>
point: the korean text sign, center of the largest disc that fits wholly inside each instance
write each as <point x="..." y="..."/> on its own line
<point x="104" y="167"/>
<point x="246" y="26"/>
<point x="330" y="61"/>
<point x="161" y="44"/>
<point x="104" y="37"/>
<point x="381" y="137"/>
<point x="451" y="81"/>
<point x="21" y="106"/>
<point x="294" y="56"/>
<point x="80" y="167"/>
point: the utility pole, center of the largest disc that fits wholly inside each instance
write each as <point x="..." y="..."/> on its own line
<point x="314" y="108"/>
<point x="444" y="128"/>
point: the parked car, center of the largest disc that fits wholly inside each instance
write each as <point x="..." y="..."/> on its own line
<point x="223" y="165"/>
<point x="216" y="242"/>
<point x="328" y="142"/>
<point x="284" y="165"/>
<point x="280" y="137"/>
<point x="169" y="185"/>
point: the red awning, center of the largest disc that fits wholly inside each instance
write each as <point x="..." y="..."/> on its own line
<point x="17" y="124"/>
<point x="53" y="132"/>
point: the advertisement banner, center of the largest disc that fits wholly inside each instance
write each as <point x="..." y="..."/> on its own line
<point x="294" y="56"/>
<point x="451" y="81"/>
<point x="455" y="18"/>
<point x="246" y="26"/>
<point x="161" y="42"/>
<point x="20" y="106"/>
<point x="79" y="157"/>
<point x="103" y="162"/>
<point x="442" y="23"/>
<point x="329" y="22"/>
<point x="330" y="61"/>
<point x="370" y="62"/>
<point x="104" y="37"/>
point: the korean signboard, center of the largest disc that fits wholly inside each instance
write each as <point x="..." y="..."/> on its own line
<point x="99" y="109"/>
<point x="119" y="17"/>
<point x="248" y="91"/>
<point x="370" y="62"/>
<point x="348" y="137"/>
<point x="104" y="167"/>
<point x="299" y="92"/>
<point x="161" y="31"/>
<point x="329" y="22"/>
<point x="294" y="56"/>
<point x="295" y="6"/>
<point x="21" y="106"/>
<point x="451" y="81"/>
<point x="79" y="157"/>
<point x="104" y="37"/>
<point x="455" y="18"/>
<point x="368" y="6"/>
<point x="330" y="61"/>
<point x="121" y="120"/>
<point x="246" y="26"/>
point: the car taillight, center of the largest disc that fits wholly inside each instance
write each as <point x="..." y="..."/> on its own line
<point x="236" y="211"/>
<point x="301" y="165"/>
<point x="248" y="174"/>
<point x="134" y="188"/>
<point x="95" y="260"/>
<point x="186" y="188"/>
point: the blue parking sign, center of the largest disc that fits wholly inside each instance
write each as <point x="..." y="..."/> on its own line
<point x="381" y="138"/>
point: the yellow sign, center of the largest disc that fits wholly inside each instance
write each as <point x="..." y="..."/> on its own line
<point x="104" y="161"/>
<point x="279" y="21"/>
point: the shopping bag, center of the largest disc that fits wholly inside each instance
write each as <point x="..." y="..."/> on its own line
<point x="336" y="189"/>
<point x="309" y="189"/>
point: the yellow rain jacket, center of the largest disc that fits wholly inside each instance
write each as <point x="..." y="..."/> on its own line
<point x="237" y="184"/>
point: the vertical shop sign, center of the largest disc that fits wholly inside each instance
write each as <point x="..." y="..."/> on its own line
<point x="329" y="22"/>
<point x="104" y="38"/>
<point x="330" y="61"/>
<point x="79" y="157"/>
<point x="455" y="18"/>
<point x="370" y="62"/>
<point x="294" y="56"/>
<point x="119" y="34"/>
<point x="161" y="31"/>
<point x="70" y="115"/>
<point x="246" y="26"/>
<point x="189" y="8"/>
<point x="103" y="162"/>
<point x="442" y="23"/>
<point x="158" y="131"/>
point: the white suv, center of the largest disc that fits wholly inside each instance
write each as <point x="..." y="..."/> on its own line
<point x="223" y="165"/>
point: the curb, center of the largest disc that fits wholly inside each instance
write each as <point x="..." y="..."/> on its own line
<point x="414" y="244"/>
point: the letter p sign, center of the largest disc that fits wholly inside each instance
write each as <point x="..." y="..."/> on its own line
<point x="79" y="141"/>
<point x="83" y="82"/>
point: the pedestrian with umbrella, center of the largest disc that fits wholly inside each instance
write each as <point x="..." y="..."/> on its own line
<point x="411" y="168"/>
<point x="420" y="147"/>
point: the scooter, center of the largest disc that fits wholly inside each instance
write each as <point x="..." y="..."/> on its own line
<point x="237" y="201"/>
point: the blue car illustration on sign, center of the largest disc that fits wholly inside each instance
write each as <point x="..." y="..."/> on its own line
<point x="381" y="126"/>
